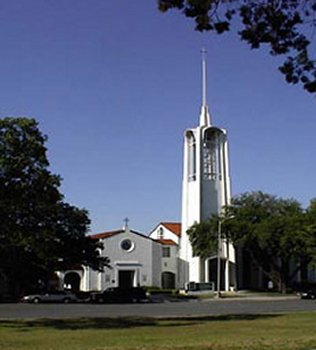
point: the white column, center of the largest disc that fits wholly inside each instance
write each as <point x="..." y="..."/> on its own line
<point x="226" y="275"/>
<point x="207" y="271"/>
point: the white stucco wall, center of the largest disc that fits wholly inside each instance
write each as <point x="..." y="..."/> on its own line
<point x="156" y="264"/>
<point x="167" y="234"/>
<point x="203" y="194"/>
<point x="170" y="264"/>
<point x="144" y="258"/>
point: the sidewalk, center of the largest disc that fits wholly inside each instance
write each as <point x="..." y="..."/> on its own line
<point x="254" y="296"/>
<point x="226" y="297"/>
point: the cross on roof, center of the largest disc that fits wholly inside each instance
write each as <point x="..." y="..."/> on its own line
<point x="126" y="221"/>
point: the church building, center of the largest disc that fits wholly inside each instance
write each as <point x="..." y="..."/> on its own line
<point x="164" y="257"/>
<point x="136" y="259"/>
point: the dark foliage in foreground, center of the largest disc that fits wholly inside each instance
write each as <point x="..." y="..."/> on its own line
<point x="285" y="26"/>
<point x="39" y="232"/>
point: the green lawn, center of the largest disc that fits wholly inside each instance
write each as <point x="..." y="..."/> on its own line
<point x="273" y="332"/>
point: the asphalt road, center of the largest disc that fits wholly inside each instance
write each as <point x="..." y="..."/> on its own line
<point x="161" y="309"/>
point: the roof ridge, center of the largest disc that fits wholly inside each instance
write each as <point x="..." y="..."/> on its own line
<point x="108" y="234"/>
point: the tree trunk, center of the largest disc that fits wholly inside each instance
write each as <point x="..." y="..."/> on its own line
<point x="284" y="277"/>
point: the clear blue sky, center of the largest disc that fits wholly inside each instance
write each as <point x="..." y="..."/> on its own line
<point x="114" y="84"/>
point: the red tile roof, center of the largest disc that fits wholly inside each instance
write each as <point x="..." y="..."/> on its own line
<point x="166" y="241"/>
<point x="106" y="234"/>
<point x="174" y="227"/>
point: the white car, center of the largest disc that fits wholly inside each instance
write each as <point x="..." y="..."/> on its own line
<point x="51" y="297"/>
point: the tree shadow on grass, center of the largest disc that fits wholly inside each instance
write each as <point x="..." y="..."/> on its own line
<point x="124" y="322"/>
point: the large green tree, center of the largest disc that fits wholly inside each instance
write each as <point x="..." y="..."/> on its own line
<point x="277" y="233"/>
<point x="285" y="26"/>
<point x="39" y="232"/>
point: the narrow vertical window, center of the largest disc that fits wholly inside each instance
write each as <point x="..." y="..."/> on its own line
<point x="191" y="157"/>
<point x="166" y="252"/>
<point x="160" y="233"/>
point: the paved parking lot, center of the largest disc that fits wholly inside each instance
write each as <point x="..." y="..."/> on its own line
<point x="159" y="309"/>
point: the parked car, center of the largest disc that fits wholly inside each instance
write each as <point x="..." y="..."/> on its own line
<point x="310" y="294"/>
<point x="51" y="297"/>
<point x="120" y="295"/>
<point x="83" y="297"/>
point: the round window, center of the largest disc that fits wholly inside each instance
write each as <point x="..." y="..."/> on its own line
<point x="127" y="245"/>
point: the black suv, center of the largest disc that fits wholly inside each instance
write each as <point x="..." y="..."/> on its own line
<point x="120" y="295"/>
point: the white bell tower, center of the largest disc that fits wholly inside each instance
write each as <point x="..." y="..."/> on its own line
<point x="206" y="188"/>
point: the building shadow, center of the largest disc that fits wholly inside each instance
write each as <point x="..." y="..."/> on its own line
<point x="125" y="322"/>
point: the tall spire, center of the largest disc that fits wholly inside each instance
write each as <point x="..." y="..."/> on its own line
<point x="204" y="102"/>
<point x="204" y="116"/>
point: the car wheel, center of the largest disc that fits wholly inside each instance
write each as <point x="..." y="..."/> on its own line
<point x="66" y="301"/>
<point x="36" y="300"/>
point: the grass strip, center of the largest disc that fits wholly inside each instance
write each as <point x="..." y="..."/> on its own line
<point x="295" y="331"/>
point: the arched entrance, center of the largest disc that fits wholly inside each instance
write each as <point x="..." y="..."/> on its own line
<point x="72" y="281"/>
<point x="168" y="280"/>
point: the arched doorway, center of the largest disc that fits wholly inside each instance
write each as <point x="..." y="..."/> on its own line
<point x="213" y="273"/>
<point x="168" y="280"/>
<point x="72" y="281"/>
